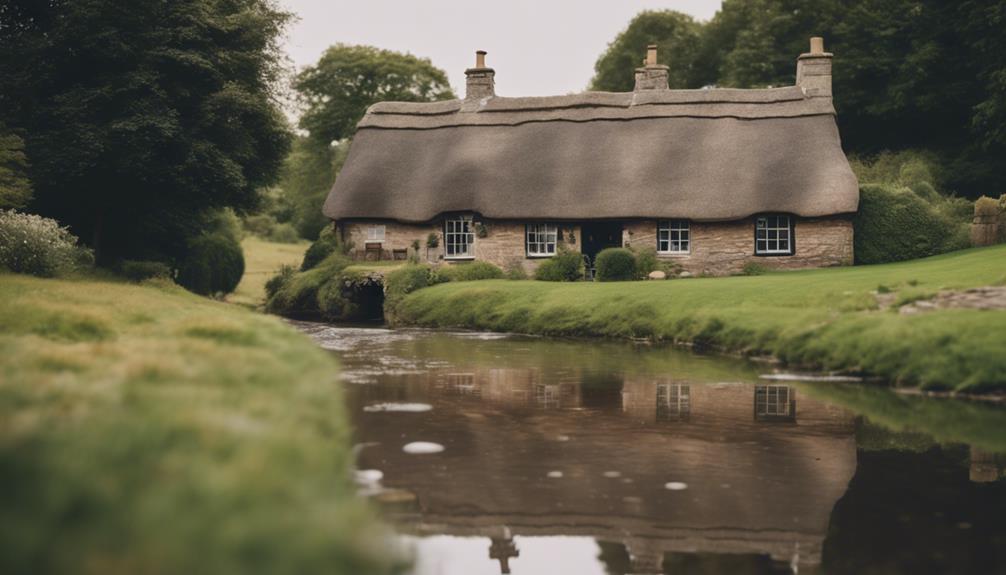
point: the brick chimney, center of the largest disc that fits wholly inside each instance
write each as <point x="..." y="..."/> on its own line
<point x="651" y="76"/>
<point x="481" y="81"/>
<point x="813" y="70"/>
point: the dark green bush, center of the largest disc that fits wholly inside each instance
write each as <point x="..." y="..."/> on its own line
<point x="326" y="244"/>
<point x="284" y="234"/>
<point x="138" y="271"/>
<point x="615" y="264"/>
<point x="895" y="224"/>
<point x="278" y="281"/>
<point x="565" y="266"/>
<point x="214" y="265"/>
<point x="469" y="271"/>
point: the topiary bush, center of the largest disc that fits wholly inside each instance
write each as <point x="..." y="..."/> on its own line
<point x="214" y="265"/>
<point x="615" y="264"/>
<point x="564" y="266"/>
<point x="31" y="244"/>
<point x="895" y="224"/>
<point x="138" y="271"/>
<point x="470" y="271"/>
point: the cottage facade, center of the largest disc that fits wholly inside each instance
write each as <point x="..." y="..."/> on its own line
<point x="712" y="179"/>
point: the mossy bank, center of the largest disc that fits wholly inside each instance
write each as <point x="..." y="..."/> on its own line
<point x="148" y="430"/>
<point x="829" y="319"/>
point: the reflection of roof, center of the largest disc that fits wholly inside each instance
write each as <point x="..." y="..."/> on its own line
<point x="752" y="487"/>
<point x="716" y="154"/>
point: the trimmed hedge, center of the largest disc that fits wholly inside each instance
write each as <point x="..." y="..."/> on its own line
<point x="895" y="224"/>
<point x="214" y="265"/>
<point x="470" y="271"/>
<point x="615" y="264"/>
<point x="565" y="266"/>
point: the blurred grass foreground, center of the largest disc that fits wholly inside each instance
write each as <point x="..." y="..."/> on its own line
<point x="144" y="429"/>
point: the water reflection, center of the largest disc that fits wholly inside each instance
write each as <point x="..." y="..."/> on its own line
<point x="564" y="457"/>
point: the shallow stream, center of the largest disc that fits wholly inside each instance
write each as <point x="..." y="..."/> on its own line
<point x="506" y="454"/>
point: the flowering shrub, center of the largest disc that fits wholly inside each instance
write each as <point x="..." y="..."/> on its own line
<point x="39" y="246"/>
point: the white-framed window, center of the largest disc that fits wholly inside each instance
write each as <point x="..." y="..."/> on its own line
<point x="774" y="235"/>
<point x="674" y="237"/>
<point x="674" y="401"/>
<point x="459" y="241"/>
<point x="375" y="233"/>
<point x="541" y="239"/>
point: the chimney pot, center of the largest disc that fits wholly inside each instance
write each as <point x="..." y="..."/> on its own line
<point x="480" y="81"/>
<point x="480" y="58"/>
<point x="817" y="45"/>
<point x="651" y="55"/>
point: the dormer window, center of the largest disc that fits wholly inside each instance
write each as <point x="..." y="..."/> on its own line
<point x="459" y="241"/>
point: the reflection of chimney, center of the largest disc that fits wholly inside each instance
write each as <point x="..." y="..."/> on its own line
<point x="813" y="70"/>
<point x="481" y="81"/>
<point x="651" y="76"/>
<point x="503" y="549"/>
<point x="984" y="466"/>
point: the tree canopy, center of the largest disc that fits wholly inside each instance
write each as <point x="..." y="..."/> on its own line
<point x="922" y="74"/>
<point x="138" y="120"/>
<point x="337" y="91"/>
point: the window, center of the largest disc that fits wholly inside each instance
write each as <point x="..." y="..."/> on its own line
<point x="775" y="403"/>
<point x="673" y="237"/>
<point x="673" y="402"/>
<point x="375" y="233"/>
<point x="774" y="235"/>
<point x="541" y="239"/>
<point x="458" y="238"/>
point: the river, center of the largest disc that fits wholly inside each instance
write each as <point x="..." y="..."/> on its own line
<point x="495" y="454"/>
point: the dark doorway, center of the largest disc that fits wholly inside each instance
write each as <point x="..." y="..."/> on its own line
<point x="597" y="236"/>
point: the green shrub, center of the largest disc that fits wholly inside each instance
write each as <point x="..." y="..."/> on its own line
<point x="326" y="244"/>
<point x="260" y="225"/>
<point x="646" y="262"/>
<point x="615" y="264"/>
<point x="138" y="271"/>
<point x="278" y="281"/>
<point x="214" y="265"/>
<point x="31" y="244"/>
<point x="284" y="234"/>
<point x="403" y="281"/>
<point x="469" y="271"/>
<point x="565" y="266"/>
<point x="894" y="224"/>
<point x="754" y="269"/>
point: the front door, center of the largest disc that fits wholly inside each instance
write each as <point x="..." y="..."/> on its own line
<point x="598" y="236"/>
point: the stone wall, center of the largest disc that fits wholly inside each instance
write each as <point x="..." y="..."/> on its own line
<point x="720" y="248"/>
<point x="724" y="248"/>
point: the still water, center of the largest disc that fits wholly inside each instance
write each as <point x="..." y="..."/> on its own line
<point x="504" y="454"/>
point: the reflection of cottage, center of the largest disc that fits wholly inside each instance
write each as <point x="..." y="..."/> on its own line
<point x="614" y="464"/>
<point x="712" y="179"/>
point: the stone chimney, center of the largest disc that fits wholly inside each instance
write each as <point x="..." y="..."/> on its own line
<point x="813" y="70"/>
<point x="481" y="81"/>
<point x="651" y="76"/>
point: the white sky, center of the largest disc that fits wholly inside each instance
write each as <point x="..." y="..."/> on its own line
<point x="537" y="47"/>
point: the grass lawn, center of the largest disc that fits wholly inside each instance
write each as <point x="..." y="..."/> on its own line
<point x="144" y="429"/>
<point x="262" y="260"/>
<point x="827" y="319"/>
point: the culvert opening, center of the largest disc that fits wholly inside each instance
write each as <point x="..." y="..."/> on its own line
<point x="370" y="297"/>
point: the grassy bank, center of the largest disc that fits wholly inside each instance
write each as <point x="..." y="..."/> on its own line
<point x="147" y="430"/>
<point x="262" y="260"/>
<point x="826" y="319"/>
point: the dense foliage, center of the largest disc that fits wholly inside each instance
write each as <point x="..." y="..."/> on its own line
<point x="469" y="271"/>
<point x="214" y="265"/>
<point x="895" y="224"/>
<point x="15" y="188"/>
<point x="138" y="120"/>
<point x="139" y="271"/>
<point x="564" y="266"/>
<point x="908" y="73"/>
<point x="615" y="264"/>
<point x="31" y="244"/>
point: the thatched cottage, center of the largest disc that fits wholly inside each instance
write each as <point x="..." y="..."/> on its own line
<point x="712" y="179"/>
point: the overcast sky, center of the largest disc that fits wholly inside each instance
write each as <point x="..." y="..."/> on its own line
<point x="538" y="47"/>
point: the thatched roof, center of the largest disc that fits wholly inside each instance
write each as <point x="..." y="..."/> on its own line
<point x="699" y="154"/>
